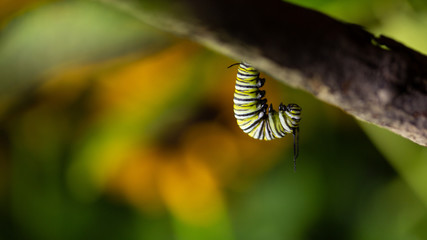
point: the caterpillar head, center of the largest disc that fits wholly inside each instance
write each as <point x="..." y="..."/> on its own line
<point x="292" y="114"/>
<point x="247" y="67"/>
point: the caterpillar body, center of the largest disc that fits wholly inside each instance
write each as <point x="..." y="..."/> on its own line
<point x="253" y="114"/>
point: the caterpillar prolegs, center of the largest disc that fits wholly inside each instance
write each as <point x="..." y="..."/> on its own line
<point x="253" y="114"/>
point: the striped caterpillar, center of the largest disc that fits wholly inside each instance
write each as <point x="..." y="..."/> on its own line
<point x="250" y="110"/>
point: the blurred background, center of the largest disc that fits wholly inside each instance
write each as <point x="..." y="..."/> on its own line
<point x="110" y="129"/>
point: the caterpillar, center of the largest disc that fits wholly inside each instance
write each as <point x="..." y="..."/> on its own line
<point x="254" y="116"/>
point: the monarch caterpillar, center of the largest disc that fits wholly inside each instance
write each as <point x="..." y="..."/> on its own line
<point x="250" y="110"/>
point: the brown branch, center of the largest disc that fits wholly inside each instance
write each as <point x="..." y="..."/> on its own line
<point x="375" y="79"/>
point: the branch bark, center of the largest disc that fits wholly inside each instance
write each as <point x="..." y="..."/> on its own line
<point x="375" y="79"/>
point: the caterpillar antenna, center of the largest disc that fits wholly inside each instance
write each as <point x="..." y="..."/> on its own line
<point x="234" y="64"/>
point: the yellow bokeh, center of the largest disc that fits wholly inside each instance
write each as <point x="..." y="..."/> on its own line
<point x="149" y="81"/>
<point x="190" y="190"/>
<point x="157" y="178"/>
<point x="137" y="179"/>
<point x="216" y="147"/>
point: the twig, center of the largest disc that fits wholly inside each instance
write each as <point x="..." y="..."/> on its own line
<point x="375" y="79"/>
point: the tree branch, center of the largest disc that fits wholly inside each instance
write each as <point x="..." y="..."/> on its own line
<point x="375" y="79"/>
